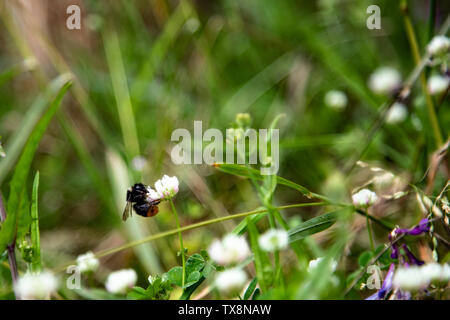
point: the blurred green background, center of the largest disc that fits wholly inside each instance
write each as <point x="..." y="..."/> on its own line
<point x="145" y="68"/>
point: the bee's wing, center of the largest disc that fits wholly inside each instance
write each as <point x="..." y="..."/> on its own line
<point x="127" y="212"/>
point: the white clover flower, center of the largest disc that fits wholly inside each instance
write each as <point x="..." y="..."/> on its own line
<point x="437" y="84"/>
<point x="434" y="272"/>
<point x="384" y="80"/>
<point x="232" y="249"/>
<point x="120" y="281"/>
<point x="315" y="262"/>
<point x="152" y="195"/>
<point x="167" y="187"/>
<point x="87" y="262"/>
<point x="336" y="99"/>
<point x="231" y="280"/>
<point x="397" y="113"/>
<point x="438" y="45"/>
<point x="36" y="286"/>
<point x="364" y="198"/>
<point x="273" y="239"/>
<point x="410" y="279"/>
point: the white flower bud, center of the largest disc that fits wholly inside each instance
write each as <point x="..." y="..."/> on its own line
<point x="273" y="239"/>
<point x="231" y="280"/>
<point x="36" y="286"/>
<point x="364" y="198"/>
<point x="397" y="113"/>
<point x="438" y="45"/>
<point x="385" y="80"/>
<point x="87" y="262"/>
<point x="232" y="249"/>
<point x="336" y="99"/>
<point x="409" y="279"/>
<point x="120" y="281"/>
<point x="437" y="84"/>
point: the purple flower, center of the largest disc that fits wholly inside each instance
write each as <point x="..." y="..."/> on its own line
<point x="412" y="259"/>
<point x="386" y="286"/>
<point x="422" y="227"/>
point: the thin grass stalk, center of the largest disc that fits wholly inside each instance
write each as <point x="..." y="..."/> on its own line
<point x="180" y="237"/>
<point x="416" y="55"/>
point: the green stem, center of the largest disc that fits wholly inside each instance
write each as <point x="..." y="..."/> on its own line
<point x="183" y="259"/>
<point x="417" y="59"/>
<point x="384" y="224"/>
<point x="190" y="227"/>
<point x="369" y="230"/>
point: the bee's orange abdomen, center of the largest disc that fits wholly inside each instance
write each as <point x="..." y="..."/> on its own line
<point x="153" y="211"/>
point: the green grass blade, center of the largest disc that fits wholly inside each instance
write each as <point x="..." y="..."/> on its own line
<point x="161" y="46"/>
<point x="123" y="100"/>
<point x="15" y="144"/>
<point x="258" y="255"/>
<point x="312" y="226"/>
<point x="18" y="181"/>
<point x="79" y="146"/>
<point x="35" y="237"/>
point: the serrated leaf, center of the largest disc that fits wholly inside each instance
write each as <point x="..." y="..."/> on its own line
<point x="312" y="226"/>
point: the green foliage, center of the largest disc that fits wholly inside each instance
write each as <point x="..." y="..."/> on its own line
<point x="312" y="226"/>
<point x="159" y="289"/>
<point x="17" y="198"/>
<point x="250" y="289"/>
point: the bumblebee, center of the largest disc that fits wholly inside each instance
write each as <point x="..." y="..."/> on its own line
<point x="138" y="200"/>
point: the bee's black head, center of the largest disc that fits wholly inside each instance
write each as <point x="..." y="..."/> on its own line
<point x="137" y="193"/>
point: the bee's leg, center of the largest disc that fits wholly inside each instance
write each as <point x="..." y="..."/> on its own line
<point x="155" y="202"/>
<point x="128" y="195"/>
<point x="141" y="208"/>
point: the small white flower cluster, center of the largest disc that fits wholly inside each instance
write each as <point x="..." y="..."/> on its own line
<point x="273" y="239"/>
<point x="364" y="198"/>
<point x="397" y="113"/>
<point x="232" y="249"/>
<point x="231" y="280"/>
<point x="385" y="80"/>
<point x="336" y="99"/>
<point x="120" y="281"/>
<point x="437" y="84"/>
<point x="165" y="188"/>
<point x="439" y="45"/>
<point x="87" y="262"/>
<point x="415" y="278"/>
<point x="439" y="50"/>
<point x="37" y="286"/>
